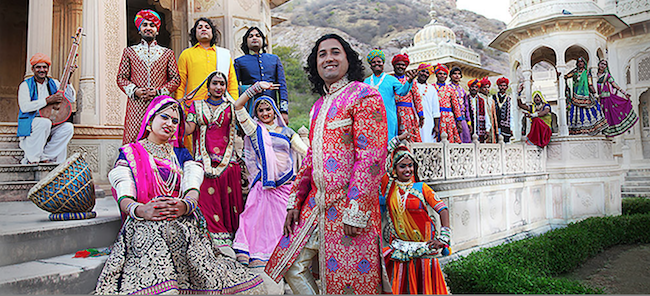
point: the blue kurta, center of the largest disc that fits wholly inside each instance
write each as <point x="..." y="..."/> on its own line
<point x="388" y="88"/>
<point x="251" y="68"/>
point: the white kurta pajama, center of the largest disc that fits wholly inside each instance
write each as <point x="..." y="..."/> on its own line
<point x="36" y="146"/>
<point x="431" y="109"/>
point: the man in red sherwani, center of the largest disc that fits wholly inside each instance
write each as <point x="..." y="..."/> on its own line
<point x="333" y="208"/>
<point x="146" y="71"/>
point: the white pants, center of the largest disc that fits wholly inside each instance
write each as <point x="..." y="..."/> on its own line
<point x="37" y="147"/>
<point x="299" y="276"/>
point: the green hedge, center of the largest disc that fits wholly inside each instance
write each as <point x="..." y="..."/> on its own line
<point x="636" y="205"/>
<point x="529" y="266"/>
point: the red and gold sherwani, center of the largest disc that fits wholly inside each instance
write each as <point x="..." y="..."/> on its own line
<point x="339" y="183"/>
<point x="144" y="65"/>
<point x="409" y="110"/>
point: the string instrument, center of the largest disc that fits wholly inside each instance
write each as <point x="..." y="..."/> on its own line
<point x="60" y="112"/>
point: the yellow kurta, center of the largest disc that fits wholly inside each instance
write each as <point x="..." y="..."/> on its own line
<point x="194" y="65"/>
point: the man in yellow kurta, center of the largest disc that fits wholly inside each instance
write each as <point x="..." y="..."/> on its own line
<point x="198" y="61"/>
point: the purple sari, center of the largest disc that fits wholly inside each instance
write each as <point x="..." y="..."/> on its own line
<point x="617" y="110"/>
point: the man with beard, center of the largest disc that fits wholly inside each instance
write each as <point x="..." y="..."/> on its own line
<point x="452" y="120"/>
<point x="197" y="62"/>
<point x="501" y="102"/>
<point x="147" y="70"/>
<point x="455" y="75"/>
<point x="430" y="106"/>
<point x="410" y="116"/>
<point x="478" y="122"/>
<point x="41" y="141"/>
<point x="490" y="111"/>
<point x="388" y="86"/>
<point x="333" y="208"/>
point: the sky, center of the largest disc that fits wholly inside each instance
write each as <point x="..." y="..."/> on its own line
<point x="496" y="9"/>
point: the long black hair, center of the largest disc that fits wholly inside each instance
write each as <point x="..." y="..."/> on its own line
<point x="355" y="67"/>
<point x="193" y="39"/>
<point x="244" y="40"/>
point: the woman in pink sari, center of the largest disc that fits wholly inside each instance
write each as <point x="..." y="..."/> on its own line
<point x="617" y="110"/>
<point x="268" y="152"/>
<point x="163" y="246"/>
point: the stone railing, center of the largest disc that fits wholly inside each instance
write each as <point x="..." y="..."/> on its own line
<point x="626" y="8"/>
<point x="451" y="161"/>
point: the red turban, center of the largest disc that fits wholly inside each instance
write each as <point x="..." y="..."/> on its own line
<point x="503" y="80"/>
<point x="147" y="14"/>
<point x="474" y="81"/>
<point x="441" y="67"/>
<point x="40" y="58"/>
<point x="485" y="81"/>
<point x="401" y="57"/>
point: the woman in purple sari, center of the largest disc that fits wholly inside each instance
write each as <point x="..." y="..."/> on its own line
<point x="268" y="150"/>
<point x="617" y="110"/>
<point x="163" y="246"/>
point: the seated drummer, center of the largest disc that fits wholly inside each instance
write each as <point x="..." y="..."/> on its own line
<point x="34" y="131"/>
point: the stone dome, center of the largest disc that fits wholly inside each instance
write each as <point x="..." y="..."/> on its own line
<point x="434" y="32"/>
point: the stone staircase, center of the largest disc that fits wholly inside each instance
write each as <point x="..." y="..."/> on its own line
<point x="637" y="183"/>
<point x="36" y="254"/>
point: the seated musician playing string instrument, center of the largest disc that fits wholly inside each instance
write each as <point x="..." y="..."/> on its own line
<point x="41" y="141"/>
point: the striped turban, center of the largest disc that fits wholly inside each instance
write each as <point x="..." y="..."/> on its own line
<point x="376" y="53"/>
<point x="473" y="82"/>
<point x="426" y="66"/>
<point x="441" y="67"/>
<point x="147" y="14"/>
<point x="401" y="58"/>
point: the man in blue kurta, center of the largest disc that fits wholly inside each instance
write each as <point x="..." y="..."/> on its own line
<point x="388" y="86"/>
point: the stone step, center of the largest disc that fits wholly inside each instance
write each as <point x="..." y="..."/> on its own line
<point x="636" y="183"/>
<point x="27" y="234"/>
<point x="15" y="190"/>
<point x="10" y="142"/>
<point x="636" y="178"/>
<point x="638" y="173"/>
<point x="635" y="194"/>
<point x="8" y="156"/>
<point x="56" y="275"/>
<point x="24" y="172"/>
<point x="632" y="189"/>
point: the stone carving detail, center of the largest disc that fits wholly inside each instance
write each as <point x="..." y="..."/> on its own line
<point x="489" y="161"/>
<point x="607" y="151"/>
<point x="111" y="156"/>
<point x="554" y="152"/>
<point x="585" y="151"/>
<point x="516" y="207"/>
<point x="513" y="159"/>
<point x="464" y="217"/>
<point x="89" y="152"/>
<point x="246" y="4"/>
<point x="461" y="162"/>
<point x="644" y="69"/>
<point x="534" y="160"/>
<point x="113" y="93"/>
<point x="430" y="163"/>
<point x="204" y="5"/>
<point x="87" y="92"/>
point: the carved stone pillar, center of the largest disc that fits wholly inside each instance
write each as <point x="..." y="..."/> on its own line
<point x="39" y="30"/>
<point x="87" y="93"/>
<point x="528" y="84"/>
<point x="561" y="102"/>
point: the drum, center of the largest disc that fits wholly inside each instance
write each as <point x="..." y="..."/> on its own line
<point x="67" y="191"/>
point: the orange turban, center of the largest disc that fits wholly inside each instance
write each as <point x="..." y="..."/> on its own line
<point x="40" y="58"/>
<point x="440" y="67"/>
<point x="503" y="80"/>
<point x="474" y="81"/>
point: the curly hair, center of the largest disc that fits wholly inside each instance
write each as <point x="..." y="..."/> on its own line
<point x="244" y="40"/>
<point x="193" y="38"/>
<point x="355" y="68"/>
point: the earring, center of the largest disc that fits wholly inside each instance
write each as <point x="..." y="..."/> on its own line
<point x="148" y="128"/>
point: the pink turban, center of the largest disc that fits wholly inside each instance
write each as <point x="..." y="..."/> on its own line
<point x="147" y="14"/>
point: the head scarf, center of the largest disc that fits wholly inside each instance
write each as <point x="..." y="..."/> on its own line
<point x="440" y="67"/>
<point x="485" y="81"/>
<point x="401" y="57"/>
<point x="401" y="152"/>
<point x="154" y="107"/>
<point x="147" y="14"/>
<point x="278" y="118"/>
<point x="474" y="81"/>
<point x="606" y="67"/>
<point x="40" y="58"/>
<point x="503" y="80"/>
<point x="376" y="53"/>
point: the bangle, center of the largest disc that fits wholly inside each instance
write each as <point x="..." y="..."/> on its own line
<point x="131" y="209"/>
<point x="253" y="90"/>
<point x="190" y="204"/>
<point x="445" y="235"/>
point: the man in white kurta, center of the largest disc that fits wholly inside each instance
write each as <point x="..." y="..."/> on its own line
<point x="34" y="131"/>
<point x="430" y="105"/>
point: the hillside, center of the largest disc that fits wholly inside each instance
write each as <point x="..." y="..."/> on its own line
<point x="388" y="24"/>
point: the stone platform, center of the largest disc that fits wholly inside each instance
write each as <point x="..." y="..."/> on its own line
<point x="36" y="255"/>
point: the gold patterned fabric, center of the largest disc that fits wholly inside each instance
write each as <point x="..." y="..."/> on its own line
<point x="172" y="257"/>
